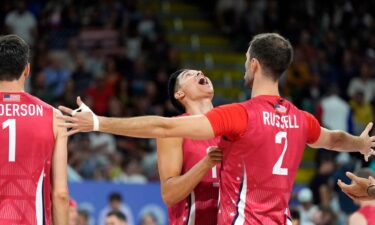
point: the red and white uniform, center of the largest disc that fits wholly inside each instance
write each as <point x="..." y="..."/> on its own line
<point x="27" y="142"/>
<point x="368" y="212"/>
<point x="263" y="141"/>
<point x="201" y="206"/>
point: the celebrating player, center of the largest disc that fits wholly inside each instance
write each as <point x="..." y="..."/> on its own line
<point x="188" y="175"/>
<point x="262" y="138"/>
<point x="33" y="150"/>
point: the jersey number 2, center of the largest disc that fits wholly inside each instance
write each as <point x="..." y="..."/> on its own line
<point x="277" y="169"/>
<point x="11" y="123"/>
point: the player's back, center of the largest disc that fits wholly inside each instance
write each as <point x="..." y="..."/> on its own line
<point x="27" y="141"/>
<point x="259" y="169"/>
<point x="201" y="206"/>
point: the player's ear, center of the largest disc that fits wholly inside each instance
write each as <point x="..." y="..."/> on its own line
<point x="26" y="71"/>
<point x="179" y="95"/>
<point x="254" y="65"/>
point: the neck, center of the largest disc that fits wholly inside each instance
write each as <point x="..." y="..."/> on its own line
<point x="198" y="107"/>
<point x="264" y="86"/>
<point x="11" y="86"/>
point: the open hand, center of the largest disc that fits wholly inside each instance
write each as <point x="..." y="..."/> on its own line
<point x="78" y="121"/>
<point x="357" y="190"/>
<point x="367" y="151"/>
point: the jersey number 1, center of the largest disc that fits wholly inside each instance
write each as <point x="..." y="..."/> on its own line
<point x="277" y="167"/>
<point x="11" y="123"/>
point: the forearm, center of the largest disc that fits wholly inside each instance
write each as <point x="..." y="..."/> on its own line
<point x="141" y="127"/>
<point x="60" y="208"/>
<point x="344" y="142"/>
<point x="195" y="127"/>
<point x="178" y="188"/>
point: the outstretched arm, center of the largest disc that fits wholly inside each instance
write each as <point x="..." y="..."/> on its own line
<point x="174" y="185"/>
<point x="195" y="127"/>
<point x="344" y="142"/>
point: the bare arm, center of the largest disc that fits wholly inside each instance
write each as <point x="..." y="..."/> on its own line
<point x="59" y="177"/>
<point x="196" y="127"/>
<point x="357" y="219"/>
<point x="174" y="186"/>
<point x="344" y="142"/>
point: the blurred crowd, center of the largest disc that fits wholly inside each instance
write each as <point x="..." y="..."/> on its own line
<point x="112" y="54"/>
<point x="116" y="57"/>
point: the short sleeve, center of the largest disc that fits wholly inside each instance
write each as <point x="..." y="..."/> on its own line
<point x="313" y="128"/>
<point x="228" y="120"/>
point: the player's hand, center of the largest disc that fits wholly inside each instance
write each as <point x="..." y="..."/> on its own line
<point x="78" y="121"/>
<point x="214" y="156"/>
<point x="367" y="150"/>
<point x="357" y="190"/>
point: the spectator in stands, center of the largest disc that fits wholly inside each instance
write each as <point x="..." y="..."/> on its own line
<point x="363" y="84"/>
<point x="335" y="111"/>
<point x="307" y="209"/>
<point x="73" y="213"/>
<point x="148" y="219"/>
<point x="22" y="22"/>
<point x="362" y="111"/>
<point x="83" y="217"/>
<point x="115" y="203"/>
<point x="116" y="217"/>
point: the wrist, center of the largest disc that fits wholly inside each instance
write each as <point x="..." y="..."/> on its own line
<point x="206" y="162"/>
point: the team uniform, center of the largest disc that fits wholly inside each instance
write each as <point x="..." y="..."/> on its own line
<point x="201" y="206"/>
<point x="368" y="212"/>
<point x="27" y="142"/>
<point x="263" y="142"/>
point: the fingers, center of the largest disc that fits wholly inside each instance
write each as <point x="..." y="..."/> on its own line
<point x="65" y="110"/>
<point x="71" y="132"/>
<point x="353" y="177"/>
<point x="79" y="101"/>
<point x="372" y="180"/>
<point x="67" y="118"/>
<point x="67" y="125"/>
<point x="342" y="185"/>
<point x="368" y="128"/>
<point x="372" y="138"/>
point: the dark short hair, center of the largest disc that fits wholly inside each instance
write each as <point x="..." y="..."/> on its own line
<point x="14" y="56"/>
<point x="274" y="53"/>
<point x="115" y="196"/>
<point x="118" y="214"/>
<point x="172" y="89"/>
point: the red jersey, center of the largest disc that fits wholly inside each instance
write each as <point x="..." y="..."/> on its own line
<point x="368" y="212"/>
<point x="201" y="206"/>
<point x="260" y="162"/>
<point x="27" y="141"/>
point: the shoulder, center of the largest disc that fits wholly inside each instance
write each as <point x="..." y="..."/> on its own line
<point x="357" y="219"/>
<point x="38" y="101"/>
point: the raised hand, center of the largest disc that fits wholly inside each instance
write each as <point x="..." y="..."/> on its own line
<point x="367" y="151"/>
<point x="81" y="119"/>
<point x="359" y="188"/>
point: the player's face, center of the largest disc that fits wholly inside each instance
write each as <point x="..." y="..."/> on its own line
<point x="195" y="84"/>
<point x="249" y="76"/>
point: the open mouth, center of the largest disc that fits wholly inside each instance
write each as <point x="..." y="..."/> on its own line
<point x="202" y="81"/>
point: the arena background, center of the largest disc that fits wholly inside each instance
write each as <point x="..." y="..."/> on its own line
<point x="118" y="54"/>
